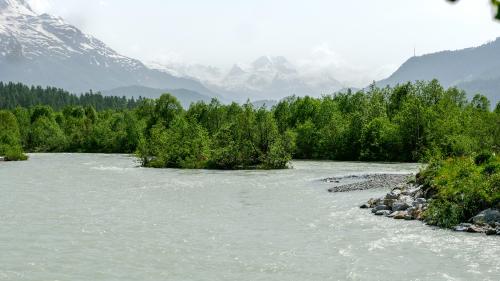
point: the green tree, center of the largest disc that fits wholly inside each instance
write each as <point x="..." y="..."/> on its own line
<point x="47" y="136"/>
<point x="495" y="3"/>
<point x="380" y="140"/>
<point x="10" y="138"/>
<point x="184" y="145"/>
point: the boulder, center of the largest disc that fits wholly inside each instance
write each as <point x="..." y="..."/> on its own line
<point x="374" y="202"/>
<point x="421" y="201"/>
<point x="389" y="202"/>
<point x="393" y="194"/>
<point x="383" y="213"/>
<point x="380" y="208"/>
<point x="476" y="229"/>
<point x="463" y="227"/>
<point x="487" y="217"/>
<point x="400" y="206"/>
<point x="399" y="215"/>
<point x="365" y="206"/>
<point x="491" y="231"/>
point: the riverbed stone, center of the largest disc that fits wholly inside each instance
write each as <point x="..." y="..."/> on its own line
<point x="383" y="213"/>
<point x="399" y="215"/>
<point x="380" y="208"/>
<point x="487" y="217"/>
<point x="491" y="231"/>
<point x="421" y="201"/>
<point x="389" y="202"/>
<point x="463" y="227"/>
<point x="393" y="194"/>
<point x="400" y="206"/>
<point x="476" y="229"/>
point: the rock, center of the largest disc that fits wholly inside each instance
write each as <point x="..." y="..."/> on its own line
<point x="383" y="213"/>
<point x="409" y="217"/>
<point x="412" y="191"/>
<point x="491" y="231"/>
<point x="371" y="202"/>
<point x="365" y="206"/>
<point x="400" y="206"/>
<point x="380" y="208"/>
<point x="399" y="215"/>
<point x="487" y="217"/>
<point x="393" y="194"/>
<point x="463" y="227"/>
<point x="421" y="201"/>
<point x="389" y="202"/>
<point x="476" y="229"/>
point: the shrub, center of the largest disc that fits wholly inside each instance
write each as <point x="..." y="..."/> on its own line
<point x="15" y="153"/>
<point x="460" y="189"/>
<point x="483" y="157"/>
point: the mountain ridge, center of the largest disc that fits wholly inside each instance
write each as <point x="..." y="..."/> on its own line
<point x="41" y="49"/>
<point x="474" y="69"/>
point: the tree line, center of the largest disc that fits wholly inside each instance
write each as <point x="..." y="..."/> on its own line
<point x="14" y="95"/>
<point x="408" y="122"/>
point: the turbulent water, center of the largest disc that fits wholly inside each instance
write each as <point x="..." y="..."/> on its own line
<point x="100" y="217"/>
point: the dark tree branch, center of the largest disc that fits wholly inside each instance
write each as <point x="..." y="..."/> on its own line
<point x="495" y="3"/>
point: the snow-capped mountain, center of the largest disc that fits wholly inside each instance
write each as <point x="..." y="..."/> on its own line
<point x="45" y="50"/>
<point x="265" y="78"/>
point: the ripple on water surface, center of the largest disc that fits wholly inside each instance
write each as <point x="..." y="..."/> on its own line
<point x="100" y="217"/>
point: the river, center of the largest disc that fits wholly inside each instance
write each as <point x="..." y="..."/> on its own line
<point x="100" y="217"/>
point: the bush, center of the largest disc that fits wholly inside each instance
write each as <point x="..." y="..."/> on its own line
<point x="15" y="153"/>
<point x="460" y="189"/>
<point x="483" y="157"/>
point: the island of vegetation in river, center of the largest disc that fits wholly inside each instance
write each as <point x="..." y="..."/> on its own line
<point x="409" y="122"/>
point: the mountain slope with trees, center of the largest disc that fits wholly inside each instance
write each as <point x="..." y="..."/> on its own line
<point x="476" y="70"/>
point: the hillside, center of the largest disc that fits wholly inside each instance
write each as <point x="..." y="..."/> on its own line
<point x="45" y="50"/>
<point x="476" y="70"/>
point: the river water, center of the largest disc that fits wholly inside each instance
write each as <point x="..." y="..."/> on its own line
<point x="100" y="217"/>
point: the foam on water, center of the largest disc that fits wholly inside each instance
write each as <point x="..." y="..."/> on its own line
<point x="99" y="217"/>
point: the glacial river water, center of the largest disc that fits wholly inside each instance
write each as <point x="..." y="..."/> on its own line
<point x="100" y="217"/>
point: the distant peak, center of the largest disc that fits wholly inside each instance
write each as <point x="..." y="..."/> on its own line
<point x="236" y="70"/>
<point x="262" y="62"/>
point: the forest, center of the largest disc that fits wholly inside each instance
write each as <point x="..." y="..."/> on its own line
<point x="409" y="122"/>
<point x="14" y="95"/>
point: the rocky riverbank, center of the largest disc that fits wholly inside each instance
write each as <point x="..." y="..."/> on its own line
<point x="364" y="182"/>
<point x="407" y="201"/>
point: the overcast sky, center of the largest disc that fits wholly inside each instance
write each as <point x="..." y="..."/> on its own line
<point x="360" y="40"/>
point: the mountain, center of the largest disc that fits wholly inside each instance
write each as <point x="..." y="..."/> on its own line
<point x="185" y="97"/>
<point x="265" y="78"/>
<point x="476" y="70"/>
<point x="45" y="50"/>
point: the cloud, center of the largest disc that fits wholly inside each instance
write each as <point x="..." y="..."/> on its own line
<point x="323" y="62"/>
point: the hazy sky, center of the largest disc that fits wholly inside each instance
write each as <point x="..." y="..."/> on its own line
<point x="358" y="40"/>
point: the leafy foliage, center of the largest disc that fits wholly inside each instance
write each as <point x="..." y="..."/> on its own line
<point x="461" y="187"/>
<point x="409" y="122"/>
<point x="10" y="137"/>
